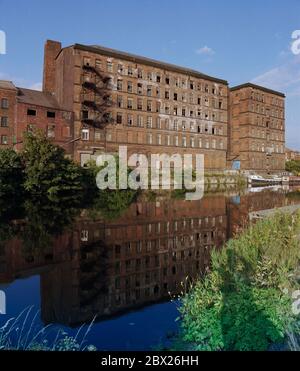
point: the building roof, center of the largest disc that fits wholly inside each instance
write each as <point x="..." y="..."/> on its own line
<point x="8" y="85"/>
<point x="147" y="61"/>
<point x="37" y="98"/>
<point x="254" y="86"/>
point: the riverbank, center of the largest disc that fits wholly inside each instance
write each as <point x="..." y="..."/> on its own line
<point x="245" y="302"/>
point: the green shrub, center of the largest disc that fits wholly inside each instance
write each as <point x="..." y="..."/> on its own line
<point x="241" y="304"/>
<point x="293" y="166"/>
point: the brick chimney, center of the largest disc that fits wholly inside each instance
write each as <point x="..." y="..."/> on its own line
<point x="52" y="48"/>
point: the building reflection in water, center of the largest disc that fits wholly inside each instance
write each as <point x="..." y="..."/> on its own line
<point x="105" y="268"/>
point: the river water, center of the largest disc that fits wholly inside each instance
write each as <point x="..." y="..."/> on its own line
<point x="124" y="272"/>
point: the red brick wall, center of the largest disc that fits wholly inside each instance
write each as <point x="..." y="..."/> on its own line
<point x="62" y="125"/>
<point x="10" y="114"/>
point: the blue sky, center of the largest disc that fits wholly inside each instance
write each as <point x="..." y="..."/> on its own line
<point x="235" y="40"/>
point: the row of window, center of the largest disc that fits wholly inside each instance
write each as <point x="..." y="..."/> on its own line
<point x="262" y="98"/>
<point x="158" y="107"/>
<point x="269" y="123"/>
<point x="178" y="82"/>
<point x="262" y="147"/>
<point x="174" y="125"/>
<point x="272" y="136"/>
<point x="257" y="163"/>
<point x="50" y="132"/>
<point x="266" y="111"/>
<point x="160" y="139"/>
<point x="156" y="92"/>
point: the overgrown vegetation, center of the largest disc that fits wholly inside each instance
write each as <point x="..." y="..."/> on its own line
<point x="41" y="175"/>
<point x="22" y="333"/>
<point x="244" y="303"/>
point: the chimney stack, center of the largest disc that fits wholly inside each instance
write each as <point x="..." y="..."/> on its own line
<point x="52" y="48"/>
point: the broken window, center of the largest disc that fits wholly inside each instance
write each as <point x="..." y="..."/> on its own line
<point x="119" y="101"/>
<point x="85" y="114"/>
<point x="129" y="120"/>
<point x="119" y="85"/>
<point x="129" y="87"/>
<point x="119" y="118"/>
<point x="31" y="112"/>
<point x="175" y="96"/>
<point x="149" y="106"/>
<point x="139" y="104"/>
<point x="140" y="88"/>
<point x="167" y="94"/>
<point x="149" y="91"/>
<point x="157" y="78"/>
<point x="167" y="80"/>
<point x="129" y="103"/>
<point x="130" y="71"/>
<point x="140" y="73"/>
<point x="50" y="114"/>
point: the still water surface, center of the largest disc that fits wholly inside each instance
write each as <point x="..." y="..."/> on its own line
<point x="123" y="271"/>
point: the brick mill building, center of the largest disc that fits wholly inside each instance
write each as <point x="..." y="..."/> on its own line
<point x="24" y="110"/>
<point x="257" y="128"/>
<point x="103" y="98"/>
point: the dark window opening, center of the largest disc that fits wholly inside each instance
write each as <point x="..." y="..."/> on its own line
<point x="50" y="114"/>
<point x="85" y="115"/>
<point x="31" y="112"/>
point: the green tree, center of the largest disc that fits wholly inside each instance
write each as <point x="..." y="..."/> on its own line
<point x="48" y="172"/>
<point x="11" y="172"/>
<point x="293" y="166"/>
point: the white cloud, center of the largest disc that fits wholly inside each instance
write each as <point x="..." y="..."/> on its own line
<point x="285" y="77"/>
<point x="36" y="86"/>
<point x="205" y="50"/>
<point x="20" y="82"/>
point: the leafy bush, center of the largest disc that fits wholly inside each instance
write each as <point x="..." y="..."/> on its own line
<point x="293" y="166"/>
<point x="242" y="304"/>
<point x="11" y="172"/>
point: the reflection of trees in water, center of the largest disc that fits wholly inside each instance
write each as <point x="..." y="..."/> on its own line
<point x="36" y="221"/>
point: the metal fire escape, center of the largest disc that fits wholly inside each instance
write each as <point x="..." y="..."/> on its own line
<point x="95" y="98"/>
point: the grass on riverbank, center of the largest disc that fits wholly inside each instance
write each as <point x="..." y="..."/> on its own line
<point x="245" y="303"/>
<point x="22" y="333"/>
